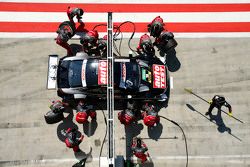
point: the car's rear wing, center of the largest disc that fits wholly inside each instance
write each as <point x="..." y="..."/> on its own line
<point x="52" y="71"/>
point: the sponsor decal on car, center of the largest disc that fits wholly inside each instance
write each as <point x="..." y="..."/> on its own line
<point x="102" y="72"/>
<point x="146" y="75"/>
<point x="159" y="76"/>
<point x="123" y="75"/>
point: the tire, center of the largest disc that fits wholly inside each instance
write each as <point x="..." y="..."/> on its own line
<point x="71" y="25"/>
<point x="172" y="43"/>
<point x="52" y="117"/>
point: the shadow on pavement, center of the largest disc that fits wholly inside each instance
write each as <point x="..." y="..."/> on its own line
<point x="172" y="61"/>
<point x="131" y="131"/>
<point x="66" y="123"/>
<point x="155" y="131"/>
<point x="90" y="127"/>
<point x="82" y="155"/>
<point x="218" y="121"/>
<point x="148" y="164"/>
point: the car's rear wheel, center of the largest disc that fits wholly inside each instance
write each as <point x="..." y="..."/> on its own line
<point x="53" y="117"/>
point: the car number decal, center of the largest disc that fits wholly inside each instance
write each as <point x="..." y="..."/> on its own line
<point x="102" y="72"/>
<point x="159" y="76"/>
<point x="84" y="73"/>
<point x="123" y="75"/>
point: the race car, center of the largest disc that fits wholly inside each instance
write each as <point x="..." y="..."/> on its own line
<point x="82" y="76"/>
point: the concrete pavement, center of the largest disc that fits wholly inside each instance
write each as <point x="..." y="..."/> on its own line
<point x="208" y="66"/>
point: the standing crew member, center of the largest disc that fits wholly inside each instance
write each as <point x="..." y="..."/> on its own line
<point x="84" y="111"/>
<point x="67" y="29"/>
<point x="139" y="148"/>
<point x="150" y="116"/>
<point x="218" y="102"/>
<point x="73" y="138"/>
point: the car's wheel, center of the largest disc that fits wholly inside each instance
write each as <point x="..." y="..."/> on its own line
<point x="69" y="26"/>
<point x="52" y="117"/>
<point x="171" y="44"/>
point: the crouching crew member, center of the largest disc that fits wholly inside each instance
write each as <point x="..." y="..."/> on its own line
<point x="150" y="116"/>
<point x="84" y="111"/>
<point x="146" y="46"/>
<point x="139" y="149"/>
<point x="127" y="116"/>
<point x="164" y="40"/>
<point x="89" y="43"/>
<point x="218" y="102"/>
<point x="73" y="138"/>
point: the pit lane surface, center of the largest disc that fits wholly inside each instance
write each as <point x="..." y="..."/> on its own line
<point x="208" y="66"/>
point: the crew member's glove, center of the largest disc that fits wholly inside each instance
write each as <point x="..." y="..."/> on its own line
<point x="210" y="101"/>
<point x="230" y="113"/>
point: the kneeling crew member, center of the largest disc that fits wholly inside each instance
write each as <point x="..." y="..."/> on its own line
<point x="150" y="116"/>
<point x="73" y="138"/>
<point x="84" y="111"/>
<point x="218" y="102"/>
<point x="126" y="116"/>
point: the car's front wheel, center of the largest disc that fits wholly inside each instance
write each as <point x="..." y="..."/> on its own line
<point x="53" y="117"/>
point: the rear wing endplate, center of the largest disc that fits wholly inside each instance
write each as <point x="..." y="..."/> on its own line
<point x="52" y="71"/>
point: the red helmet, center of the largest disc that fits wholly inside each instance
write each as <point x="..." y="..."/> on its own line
<point x="146" y="44"/>
<point x="90" y="38"/>
<point x="156" y="27"/>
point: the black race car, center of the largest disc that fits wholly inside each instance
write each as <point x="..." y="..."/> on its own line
<point x="83" y="76"/>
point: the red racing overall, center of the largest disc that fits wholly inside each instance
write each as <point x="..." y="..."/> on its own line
<point x="139" y="148"/>
<point x="150" y="116"/>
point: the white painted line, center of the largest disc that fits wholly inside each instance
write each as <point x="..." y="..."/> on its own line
<point x="202" y="157"/>
<point x="182" y="17"/>
<point x="171" y="82"/>
<point x="232" y="159"/>
<point x="127" y="35"/>
<point x="132" y="1"/>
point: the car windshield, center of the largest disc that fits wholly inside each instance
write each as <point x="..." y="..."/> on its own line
<point x="132" y="75"/>
<point x="74" y="76"/>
